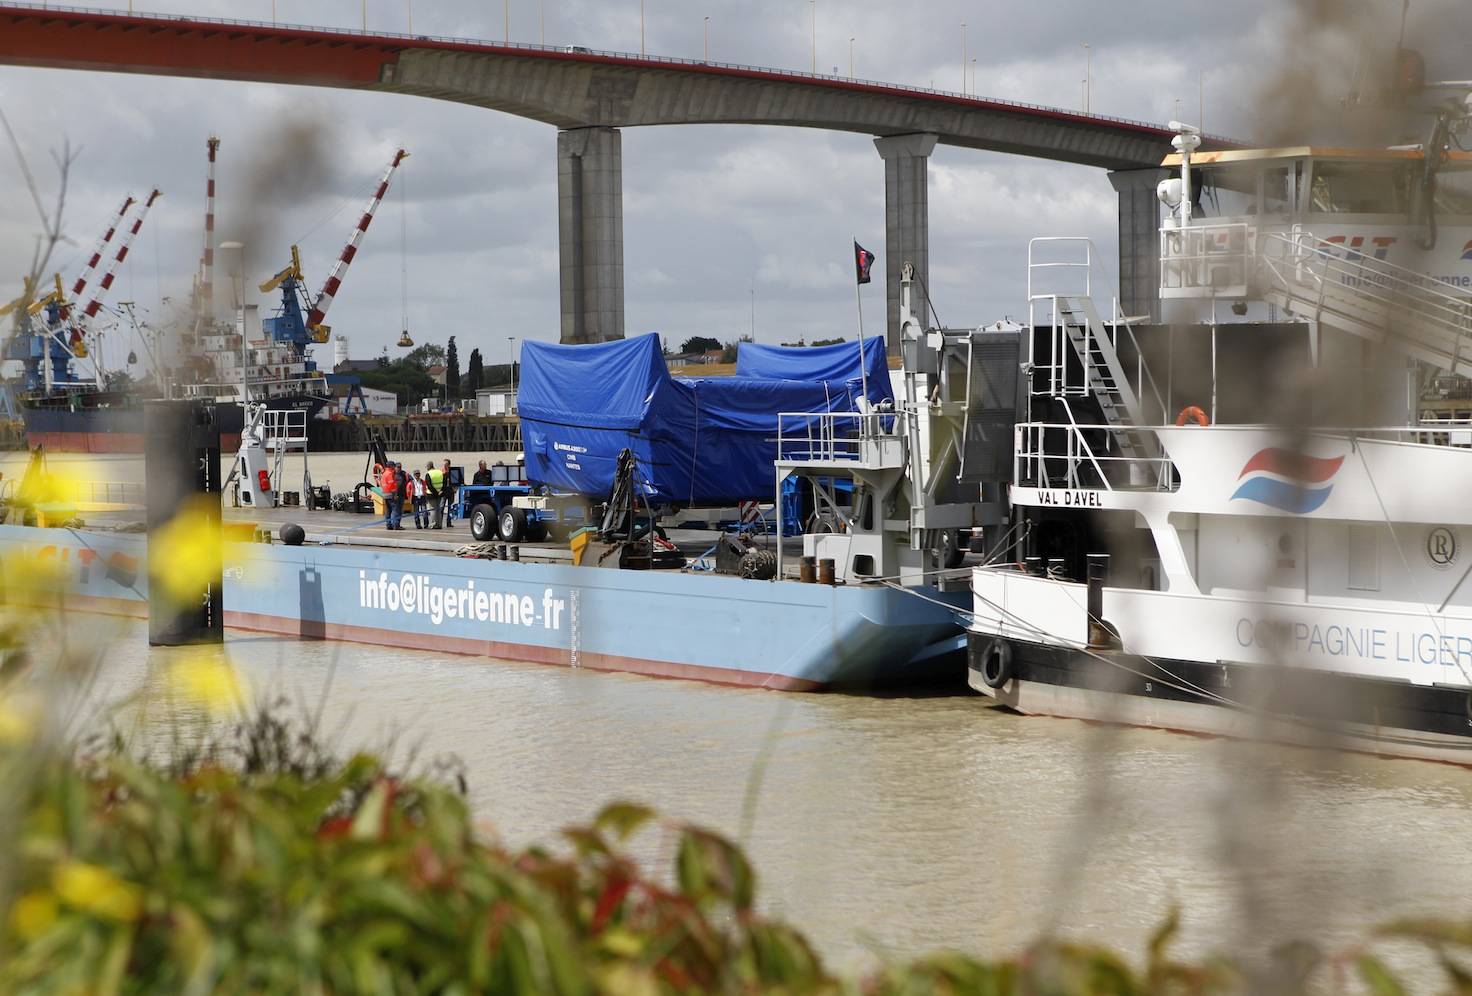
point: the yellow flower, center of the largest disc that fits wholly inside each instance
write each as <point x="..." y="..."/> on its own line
<point x="97" y="891"/>
<point x="28" y="572"/>
<point x="33" y="914"/>
<point x="186" y="554"/>
<point x="207" y="679"/>
<point x="17" y="720"/>
<point x="60" y="486"/>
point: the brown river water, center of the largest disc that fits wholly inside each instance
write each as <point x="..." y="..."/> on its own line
<point x="897" y="825"/>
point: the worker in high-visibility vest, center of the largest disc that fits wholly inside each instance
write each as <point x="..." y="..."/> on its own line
<point x="392" y="499"/>
<point x="436" y="478"/>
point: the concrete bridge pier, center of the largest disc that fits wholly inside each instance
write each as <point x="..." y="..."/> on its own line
<point x="906" y="221"/>
<point x="590" y="223"/>
<point x="1139" y="240"/>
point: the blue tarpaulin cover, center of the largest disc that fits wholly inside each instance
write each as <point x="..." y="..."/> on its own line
<point x="698" y="441"/>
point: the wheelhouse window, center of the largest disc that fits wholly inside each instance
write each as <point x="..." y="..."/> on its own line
<point x="1360" y="188"/>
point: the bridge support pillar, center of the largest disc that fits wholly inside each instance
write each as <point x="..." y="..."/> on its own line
<point x="590" y="222"/>
<point x="1139" y="240"/>
<point x="906" y="222"/>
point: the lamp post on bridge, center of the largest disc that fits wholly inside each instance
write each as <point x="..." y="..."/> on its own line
<point x="964" y="55"/>
<point x="851" y="58"/>
<point x="1088" y="78"/>
<point x="641" y="29"/>
<point x="813" y="6"/>
<point x="707" y="37"/>
<point x="512" y="339"/>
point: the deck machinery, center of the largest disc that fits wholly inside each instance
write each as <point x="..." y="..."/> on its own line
<point x="926" y="472"/>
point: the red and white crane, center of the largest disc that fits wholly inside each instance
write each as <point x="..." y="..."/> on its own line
<point x="334" y="278"/>
<point x="207" y="259"/>
<point x="91" y="266"/>
<point x="112" y="267"/>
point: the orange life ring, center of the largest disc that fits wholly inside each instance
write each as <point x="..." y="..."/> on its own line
<point x="1192" y="414"/>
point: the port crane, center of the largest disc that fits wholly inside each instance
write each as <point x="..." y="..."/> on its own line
<point x="301" y="319"/>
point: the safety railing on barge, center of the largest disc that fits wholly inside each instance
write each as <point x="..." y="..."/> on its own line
<point x="870" y="439"/>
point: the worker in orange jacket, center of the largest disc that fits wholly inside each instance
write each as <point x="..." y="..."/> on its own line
<point x="393" y="501"/>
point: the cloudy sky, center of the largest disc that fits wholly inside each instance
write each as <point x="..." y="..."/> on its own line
<point x="714" y="217"/>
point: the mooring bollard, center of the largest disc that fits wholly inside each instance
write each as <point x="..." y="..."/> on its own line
<point x="1099" y="635"/>
<point x="825" y="571"/>
<point x="807" y="570"/>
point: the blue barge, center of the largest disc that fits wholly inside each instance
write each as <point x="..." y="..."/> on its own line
<point x="728" y="630"/>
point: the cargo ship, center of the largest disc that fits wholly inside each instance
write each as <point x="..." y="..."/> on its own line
<point x="1285" y="565"/>
<point x="245" y="360"/>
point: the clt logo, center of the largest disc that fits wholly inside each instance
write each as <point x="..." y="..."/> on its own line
<point x="1380" y="245"/>
<point x="1287" y="481"/>
<point x="1467" y="251"/>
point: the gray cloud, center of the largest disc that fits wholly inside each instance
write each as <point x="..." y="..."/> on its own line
<point x="711" y="213"/>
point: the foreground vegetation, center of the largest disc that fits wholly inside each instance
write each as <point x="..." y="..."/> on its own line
<point x="255" y="863"/>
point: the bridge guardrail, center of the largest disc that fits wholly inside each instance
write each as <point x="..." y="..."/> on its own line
<point x="610" y="54"/>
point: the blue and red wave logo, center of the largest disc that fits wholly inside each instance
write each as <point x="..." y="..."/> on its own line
<point x="1288" y="481"/>
<point x="1467" y="251"/>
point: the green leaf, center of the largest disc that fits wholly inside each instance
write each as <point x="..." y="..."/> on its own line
<point x="368" y="821"/>
<point x="1377" y="976"/>
<point x="623" y="818"/>
<point x="712" y="868"/>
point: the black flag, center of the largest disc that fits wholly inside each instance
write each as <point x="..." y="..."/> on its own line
<point x="863" y="260"/>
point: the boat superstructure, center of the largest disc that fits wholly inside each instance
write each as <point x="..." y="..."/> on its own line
<point x="1236" y="523"/>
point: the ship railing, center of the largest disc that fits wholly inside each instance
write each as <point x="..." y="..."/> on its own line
<point x="1206" y="260"/>
<point x="1088" y="457"/>
<point x="1111" y="365"/>
<point x="284" y="425"/>
<point x="62" y="489"/>
<point x="1369" y="294"/>
<point x="1098" y="457"/>
<point x="867" y="438"/>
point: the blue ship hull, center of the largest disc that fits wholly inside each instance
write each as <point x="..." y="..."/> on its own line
<point x="728" y="630"/>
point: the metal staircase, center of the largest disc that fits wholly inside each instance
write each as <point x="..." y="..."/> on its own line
<point x="1073" y="317"/>
<point x="1359" y="294"/>
<point x="1334" y="285"/>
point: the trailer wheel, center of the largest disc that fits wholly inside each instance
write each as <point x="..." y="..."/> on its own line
<point x="536" y="531"/>
<point x="513" y="524"/>
<point x="483" y="523"/>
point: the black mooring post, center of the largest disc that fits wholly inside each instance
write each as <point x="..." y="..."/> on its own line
<point x="181" y="463"/>
<point x="1098" y="574"/>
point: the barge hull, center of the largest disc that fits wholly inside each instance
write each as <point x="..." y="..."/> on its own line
<point x="726" y="630"/>
<point x="1331" y="710"/>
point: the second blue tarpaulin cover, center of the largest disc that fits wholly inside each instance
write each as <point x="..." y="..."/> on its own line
<point x="698" y="440"/>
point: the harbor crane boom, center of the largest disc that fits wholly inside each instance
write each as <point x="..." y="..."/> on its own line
<point x="334" y="278"/>
<point x="292" y="271"/>
<point x="8" y="307"/>
<point x="91" y="266"/>
<point x="112" y="268"/>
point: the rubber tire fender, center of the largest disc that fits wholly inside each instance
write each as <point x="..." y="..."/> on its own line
<point x="483" y="524"/>
<point x="996" y="663"/>
<point x="513" y="524"/>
